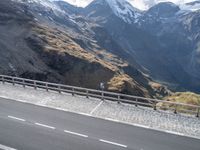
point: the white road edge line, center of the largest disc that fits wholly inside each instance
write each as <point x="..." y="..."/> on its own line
<point x="44" y="125"/>
<point x="142" y="126"/>
<point x="96" y="108"/>
<point x="6" y="147"/>
<point x="16" y="118"/>
<point x="114" y="120"/>
<point x="74" y="133"/>
<point x="113" y="143"/>
<point x="176" y="133"/>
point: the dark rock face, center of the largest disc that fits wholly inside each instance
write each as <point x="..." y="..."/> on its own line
<point x="164" y="9"/>
<point x="163" y="41"/>
<point x="178" y="42"/>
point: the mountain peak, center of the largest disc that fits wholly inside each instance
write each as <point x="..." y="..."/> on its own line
<point x="164" y="9"/>
<point x="121" y="8"/>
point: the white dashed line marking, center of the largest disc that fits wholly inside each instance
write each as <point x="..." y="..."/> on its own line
<point x="75" y="133"/>
<point x="3" y="147"/>
<point x="113" y="143"/>
<point x="96" y="108"/>
<point x="16" y="118"/>
<point x="44" y="125"/>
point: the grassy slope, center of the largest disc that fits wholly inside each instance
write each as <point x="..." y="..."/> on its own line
<point x="181" y="97"/>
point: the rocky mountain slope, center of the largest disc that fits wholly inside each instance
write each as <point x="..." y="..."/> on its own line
<point x="163" y="40"/>
<point x="42" y="40"/>
<point x="109" y="41"/>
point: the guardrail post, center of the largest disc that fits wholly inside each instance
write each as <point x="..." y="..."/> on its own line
<point x="118" y="99"/>
<point x="47" y="89"/>
<point x="154" y="106"/>
<point x="59" y="89"/>
<point x="175" y="109"/>
<point x="87" y="94"/>
<point x="136" y="104"/>
<point x="72" y="91"/>
<point x="34" y="84"/>
<point x="102" y="95"/>
<point x="198" y="110"/>
<point x="3" y="80"/>
<point x="13" y="81"/>
<point x="23" y="83"/>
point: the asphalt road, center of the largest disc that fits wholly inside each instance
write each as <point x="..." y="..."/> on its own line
<point x="29" y="127"/>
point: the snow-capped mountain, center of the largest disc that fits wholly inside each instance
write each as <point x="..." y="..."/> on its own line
<point x="120" y="8"/>
<point x="45" y="3"/>
<point x="124" y="10"/>
<point x="164" y="10"/>
<point x="192" y="6"/>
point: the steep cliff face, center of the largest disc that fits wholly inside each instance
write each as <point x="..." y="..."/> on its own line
<point x="50" y="45"/>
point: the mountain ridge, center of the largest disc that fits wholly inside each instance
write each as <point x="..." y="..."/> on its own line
<point x="131" y="56"/>
<point x="64" y="48"/>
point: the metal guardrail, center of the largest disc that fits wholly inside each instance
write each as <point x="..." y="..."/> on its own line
<point x="104" y="95"/>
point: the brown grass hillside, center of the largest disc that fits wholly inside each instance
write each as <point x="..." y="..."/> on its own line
<point x="181" y="97"/>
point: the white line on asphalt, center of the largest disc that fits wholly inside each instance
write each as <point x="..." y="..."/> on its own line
<point x="142" y="126"/>
<point x="44" y="125"/>
<point x="74" y="133"/>
<point x="176" y="133"/>
<point x="110" y="119"/>
<point x="113" y="143"/>
<point x="6" y="147"/>
<point x="85" y="114"/>
<point x="16" y="118"/>
<point x="96" y="108"/>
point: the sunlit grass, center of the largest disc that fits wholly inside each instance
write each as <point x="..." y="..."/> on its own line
<point x="181" y="97"/>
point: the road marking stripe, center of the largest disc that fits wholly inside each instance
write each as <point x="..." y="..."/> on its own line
<point x="6" y="147"/>
<point x="110" y="119"/>
<point x="142" y="126"/>
<point x="74" y="133"/>
<point x="176" y="133"/>
<point x="113" y="143"/>
<point x="44" y="125"/>
<point x="96" y="108"/>
<point x="85" y="114"/>
<point x="16" y="118"/>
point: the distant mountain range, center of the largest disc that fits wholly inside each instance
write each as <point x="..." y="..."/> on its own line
<point x="132" y="51"/>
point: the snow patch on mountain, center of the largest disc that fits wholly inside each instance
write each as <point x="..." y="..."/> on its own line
<point x="45" y="3"/>
<point x="192" y="6"/>
<point x="124" y="10"/>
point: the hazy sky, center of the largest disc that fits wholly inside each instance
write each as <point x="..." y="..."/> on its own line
<point x="140" y="4"/>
